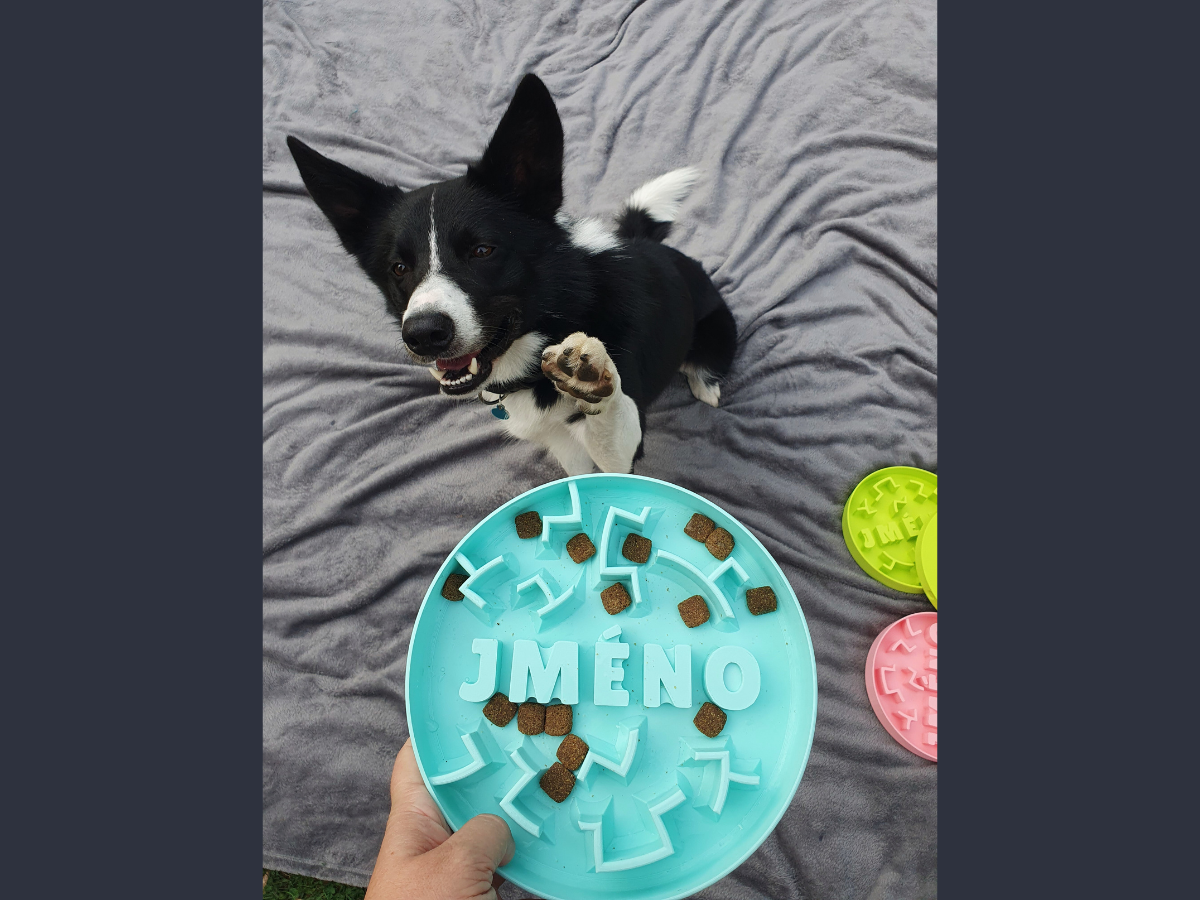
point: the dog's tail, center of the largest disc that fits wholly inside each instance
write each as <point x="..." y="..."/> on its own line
<point x="650" y="210"/>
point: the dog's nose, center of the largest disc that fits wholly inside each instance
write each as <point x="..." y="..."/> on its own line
<point x="428" y="333"/>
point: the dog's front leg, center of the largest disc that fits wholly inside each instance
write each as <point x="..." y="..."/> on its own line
<point x="580" y="368"/>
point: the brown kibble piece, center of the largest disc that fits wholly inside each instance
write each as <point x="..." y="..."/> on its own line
<point x="719" y="543"/>
<point x="581" y="547"/>
<point x="558" y="782"/>
<point x="558" y="720"/>
<point x="699" y="527"/>
<point x="636" y="548"/>
<point x="693" y="611"/>
<point x="450" y="587"/>
<point x="529" y="525"/>
<point x="761" y="600"/>
<point x="572" y="751"/>
<point x="615" y="599"/>
<point x="500" y="710"/>
<point x="710" y="720"/>
<point x="531" y="718"/>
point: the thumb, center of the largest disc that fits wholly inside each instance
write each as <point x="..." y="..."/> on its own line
<point x="471" y="855"/>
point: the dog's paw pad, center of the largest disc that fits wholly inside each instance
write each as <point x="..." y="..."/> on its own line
<point x="587" y="370"/>
<point x="580" y="367"/>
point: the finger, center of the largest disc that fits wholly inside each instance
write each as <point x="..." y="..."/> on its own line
<point x="408" y="788"/>
<point x="470" y="857"/>
<point x="415" y="825"/>
<point x="490" y="836"/>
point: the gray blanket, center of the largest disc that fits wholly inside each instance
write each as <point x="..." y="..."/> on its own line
<point x="815" y="125"/>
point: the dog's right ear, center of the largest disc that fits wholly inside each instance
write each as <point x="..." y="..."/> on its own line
<point x="351" y="201"/>
<point x="524" y="159"/>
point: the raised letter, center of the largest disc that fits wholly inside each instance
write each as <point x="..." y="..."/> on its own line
<point x="527" y="661"/>
<point x="889" y="532"/>
<point x="607" y="674"/>
<point x="714" y="677"/>
<point x="489" y="658"/>
<point x="677" y="679"/>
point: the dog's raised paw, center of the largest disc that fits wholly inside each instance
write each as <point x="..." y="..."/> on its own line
<point x="580" y="367"/>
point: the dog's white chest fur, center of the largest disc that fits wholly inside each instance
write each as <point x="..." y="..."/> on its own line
<point x="527" y="421"/>
<point x="548" y="428"/>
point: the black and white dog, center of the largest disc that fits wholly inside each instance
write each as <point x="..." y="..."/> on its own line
<point x="577" y="327"/>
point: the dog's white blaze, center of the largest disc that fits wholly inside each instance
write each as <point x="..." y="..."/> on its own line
<point x="437" y="292"/>
<point x="662" y="197"/>
<point x="435" y="261"/>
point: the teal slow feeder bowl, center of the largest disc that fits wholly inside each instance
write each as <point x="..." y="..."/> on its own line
<point x="657" y="809"/>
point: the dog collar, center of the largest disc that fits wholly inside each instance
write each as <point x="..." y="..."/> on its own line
<point x="505" y="388"/>
<point x="499" y="411"/>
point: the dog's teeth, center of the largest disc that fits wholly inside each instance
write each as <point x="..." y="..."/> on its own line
<point x="441" y="378"/>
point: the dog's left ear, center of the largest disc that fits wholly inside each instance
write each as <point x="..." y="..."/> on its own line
<point x="353" y="202"/>
<point x="523" y="162"/>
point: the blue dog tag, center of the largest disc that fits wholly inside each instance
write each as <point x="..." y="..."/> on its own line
<point x="500" y="412"/>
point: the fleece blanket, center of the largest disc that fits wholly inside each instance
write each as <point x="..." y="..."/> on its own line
<point x="814" y="123"/>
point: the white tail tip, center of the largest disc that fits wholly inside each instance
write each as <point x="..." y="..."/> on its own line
<point x="661" y="198"/>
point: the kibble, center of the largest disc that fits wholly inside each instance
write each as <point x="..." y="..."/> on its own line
<point x="529" y="525"/>
<point x="500" y="710"/>
<point x="693" y="611"/>
<point x="558" y="720"/>
<point x="699" y="527"/>
<point x="572" y="751"/>
<point x="450" y="588"/>
<point x="558" y="782"/>
<point x="636" y="548"/>
<point x="709" y="720"/>
<point x="531" y="718"/>
<point x="761" y="600"/>
<point x="615" y="599"/>
<point x="581" y="548"/>
<point x="719" y="543"/>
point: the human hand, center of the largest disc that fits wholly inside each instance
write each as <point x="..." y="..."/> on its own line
<point x="421" y="859"/>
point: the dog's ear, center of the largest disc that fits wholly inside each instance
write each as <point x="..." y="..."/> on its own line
<point x="352" y="201"/>
<point x="523" y="162"/>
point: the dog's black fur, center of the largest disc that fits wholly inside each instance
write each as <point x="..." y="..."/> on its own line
<point x="652" y="307"/>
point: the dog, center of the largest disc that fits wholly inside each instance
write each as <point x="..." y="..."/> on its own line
<point x="573" y="328"/>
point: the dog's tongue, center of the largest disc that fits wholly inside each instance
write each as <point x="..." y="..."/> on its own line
<point x="459" y="362"/>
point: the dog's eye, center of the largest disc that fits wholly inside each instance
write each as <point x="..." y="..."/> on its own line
<point x="481" y="251"/>
<point x="399" y="269"/>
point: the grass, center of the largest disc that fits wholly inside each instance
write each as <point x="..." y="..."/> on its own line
<point x="282" y="886"/>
